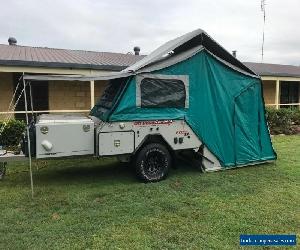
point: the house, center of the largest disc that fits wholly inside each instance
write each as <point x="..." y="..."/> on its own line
<point x="280" y="82"/>
<point x="55" y="96"/>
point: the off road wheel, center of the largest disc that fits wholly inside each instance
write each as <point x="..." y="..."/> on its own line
<point x="153" y="162"/>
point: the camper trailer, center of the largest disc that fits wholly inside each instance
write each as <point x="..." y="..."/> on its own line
<point x="190" y="97"/>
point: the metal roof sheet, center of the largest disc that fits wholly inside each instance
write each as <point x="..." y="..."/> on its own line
<point x="15" y="55"/>
<point x="269" y="69"/>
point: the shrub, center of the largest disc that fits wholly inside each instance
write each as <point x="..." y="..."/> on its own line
<point x="296" y="116"/>
<point x="281" y="120"/>
<point x="11" y="132"/>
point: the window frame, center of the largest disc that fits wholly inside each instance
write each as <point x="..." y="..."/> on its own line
<point x="140" y="78"/>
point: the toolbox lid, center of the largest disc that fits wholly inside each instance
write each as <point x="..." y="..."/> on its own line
<point x="63" y="118"/>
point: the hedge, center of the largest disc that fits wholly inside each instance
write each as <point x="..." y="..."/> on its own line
<point x="283" y="121"/>
<point x="296" y="116"/>
<point x="11" y="132"/>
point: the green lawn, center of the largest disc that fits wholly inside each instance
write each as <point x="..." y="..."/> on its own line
<point x="92" y="204"/>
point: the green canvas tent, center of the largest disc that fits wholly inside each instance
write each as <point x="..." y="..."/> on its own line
<point x="224" y="101"/>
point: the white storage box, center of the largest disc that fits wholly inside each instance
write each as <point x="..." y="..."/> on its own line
<point x="116" y="143"/>
<point x="64" y="135"/>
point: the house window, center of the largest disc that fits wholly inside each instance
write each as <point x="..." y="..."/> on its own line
<point x="289" y="93"/>
<point x="162" y="91"/>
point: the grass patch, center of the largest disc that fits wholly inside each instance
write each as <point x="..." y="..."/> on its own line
<point x="99" y="204"/>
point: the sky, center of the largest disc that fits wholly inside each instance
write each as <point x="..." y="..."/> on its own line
<point x="119" y="25"/>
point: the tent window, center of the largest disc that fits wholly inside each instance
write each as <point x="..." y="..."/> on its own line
<point x="162" y="92"/>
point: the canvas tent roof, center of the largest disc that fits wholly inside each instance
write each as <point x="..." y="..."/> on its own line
<point x="184" y="43"/>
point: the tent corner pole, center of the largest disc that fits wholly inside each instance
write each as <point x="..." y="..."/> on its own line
<point x="28" y="137"/>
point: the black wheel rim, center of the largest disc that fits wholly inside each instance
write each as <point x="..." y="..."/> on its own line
<point x="154" y="163"/>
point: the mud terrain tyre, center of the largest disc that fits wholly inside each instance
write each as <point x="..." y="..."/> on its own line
<point x="153" y="162"/>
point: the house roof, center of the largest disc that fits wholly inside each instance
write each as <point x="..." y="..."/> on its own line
<point x="15" y="55"/>
<point x="268" y="69"/>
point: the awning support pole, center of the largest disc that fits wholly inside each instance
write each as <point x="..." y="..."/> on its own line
<point x="92" y="84"/>
<point x="28" y="137"/>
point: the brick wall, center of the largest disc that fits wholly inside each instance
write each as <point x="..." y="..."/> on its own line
<point x="69" y="95"/>
<point x="64" y="95"/>
<point x="269" y="91"/>
<point x="99" y="88"/>
<point x="6" y="91"/>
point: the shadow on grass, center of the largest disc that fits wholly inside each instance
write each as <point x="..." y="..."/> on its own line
<point x="107" y="171"/>
<point x="85" y="171"/>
